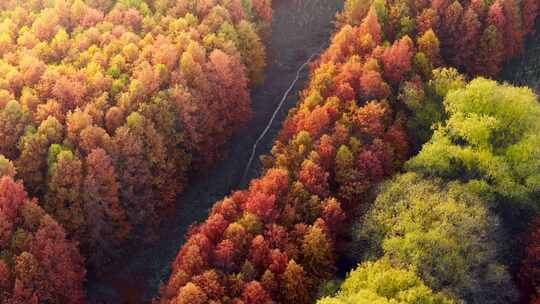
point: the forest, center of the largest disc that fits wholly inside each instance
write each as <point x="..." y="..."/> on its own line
<point x="406" y="171"/>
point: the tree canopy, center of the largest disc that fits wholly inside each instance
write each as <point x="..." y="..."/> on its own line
<point x="37" y="263"/>
<point x="105" y="106"/>
<point x="441" y="231"/>
<point x="379" y="282"/>
<point x="490" y="141"/>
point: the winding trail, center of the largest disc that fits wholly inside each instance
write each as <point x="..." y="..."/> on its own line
<point x="299" y="29"/>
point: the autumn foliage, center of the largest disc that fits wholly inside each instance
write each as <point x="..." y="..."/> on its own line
<point x="38" y="264"/>
<point x="473" y="36"/>
<point x="106" y="106"/>
<point x="279" y="239"/>
<point x="529" y="272"/>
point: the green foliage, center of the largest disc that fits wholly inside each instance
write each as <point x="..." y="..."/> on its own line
<point x="445" y="80"/>
<point x="382" y="11"/>
<point x="381" y="283"/>
<point x="247" y="5"/>
<point x="491" y="141"/>
<point x="443" y="232"/>
<point x="426" y="102"/>
<point x="54" y="151"/>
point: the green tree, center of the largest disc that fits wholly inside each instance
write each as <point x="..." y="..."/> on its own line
<point x="379" y="282"/>
<point x="491" y="141"/>
<point x="443" y="232"/>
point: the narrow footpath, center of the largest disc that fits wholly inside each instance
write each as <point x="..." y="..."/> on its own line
<point x="300" y="29"/>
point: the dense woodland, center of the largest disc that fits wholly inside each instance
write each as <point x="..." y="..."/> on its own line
<point x="402" y="156"/>
<point x="394" y="82"/>
<point x="106" y="107"/>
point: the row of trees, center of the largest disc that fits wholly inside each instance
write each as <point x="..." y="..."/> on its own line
<point x="279" y="240"/>
<point x="106" y="106"/>
<point x="475" y="36"/>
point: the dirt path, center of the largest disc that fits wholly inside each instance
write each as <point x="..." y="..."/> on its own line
<point x="299" y="29"/>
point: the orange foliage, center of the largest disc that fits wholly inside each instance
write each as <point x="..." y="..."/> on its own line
<point x="106" y="105"/>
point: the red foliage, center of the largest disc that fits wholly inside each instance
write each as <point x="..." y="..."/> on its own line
<point x="450" y="30"/>
<point x="397" y="137"/>
<point x="259" y="252"/>
<point x="513" y="31"/>
<point x="397" y="60"/>
<point x="370" y="26"/>
<point x="214" y="227"/>
<point x="470" y="38"/>
<point x="314" y="178"/>
<point x="342" y="47"/>
<point x="106" y="219"/>
<point x="278" y="261"/>
<point x="209" y="283"/>
<point x="295" y="289"/>
<point x="347" y="134"/>
<point x="47" y="267"/>
<point x="428" y="19"/>
<point x="263" y="9"/>
<point x="254" y="293"/>
<point x="326" y="151"/>
<point x="228" y="208"/>
<point x="135" y="102"/>
<point x="332" y="214"/>
<point x="191" y="294"/>
<point x="318" y="121"/>
<point x="370" y="119"/>
<point x="194" y="256"/>
<point x="373" y="86"/>
<point x="224" y="254"/>
<point x="262" y="205"/>
<point x="530" y="12"/>
<point x="529" y="272"/>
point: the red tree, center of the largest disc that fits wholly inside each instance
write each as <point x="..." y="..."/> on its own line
<point x="530" y="12"/>
<point x="106" y="220"/>
<point x="314" y="178"/>
<point x="254" y="293"/>
<point x="397" y="60"/>
<point x="47" y="267"/>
